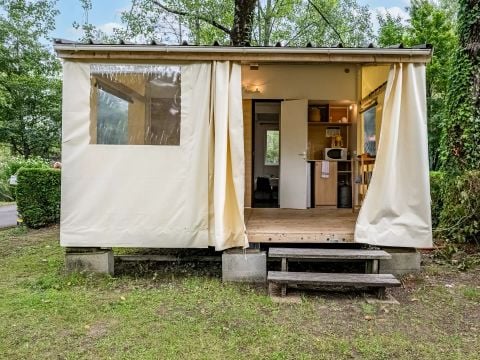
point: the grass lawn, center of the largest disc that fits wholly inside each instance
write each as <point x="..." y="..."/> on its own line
<point x="185" y="312"/>
<point x="5" y="203"/>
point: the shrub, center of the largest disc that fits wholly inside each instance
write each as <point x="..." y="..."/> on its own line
<point x="11" y="167"/>
<point x="436" y="188"/>
<point x="460" y="214"/>
<point x="38" y="196"/>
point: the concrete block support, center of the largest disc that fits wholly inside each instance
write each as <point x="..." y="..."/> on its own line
<point x="91" y="260"/>
<point x="403" y="261"/>
<point x="248" y="266"/>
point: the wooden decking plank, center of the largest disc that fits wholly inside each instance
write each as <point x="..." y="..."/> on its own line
<point x="329" y="254"/>
<point x="333" y="279"/>
<point x="303" y="226"/>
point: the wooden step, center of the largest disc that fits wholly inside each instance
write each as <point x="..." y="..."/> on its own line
<point x="379" y="281"/>
<point x="328" y="254"/>
<point x="333" y="279"/>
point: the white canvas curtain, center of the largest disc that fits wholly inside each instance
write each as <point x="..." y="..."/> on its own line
<point x="227" y="164"/>
<point x="156" y="196"/>
<point x="396" y="210"/>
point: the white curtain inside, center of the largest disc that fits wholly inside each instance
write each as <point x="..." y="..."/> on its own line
<point x="155" y="195"/>
<point x="396" y="210"/>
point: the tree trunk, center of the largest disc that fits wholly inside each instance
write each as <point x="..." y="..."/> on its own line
<point x="241" y="32"/>
<point x="267" y="23"/>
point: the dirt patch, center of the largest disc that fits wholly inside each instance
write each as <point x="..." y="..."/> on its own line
<point x="97" y="330"/>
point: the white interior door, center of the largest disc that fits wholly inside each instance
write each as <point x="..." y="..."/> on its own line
<point x="293" y="154"/>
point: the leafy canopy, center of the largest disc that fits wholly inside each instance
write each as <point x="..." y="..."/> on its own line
<point x="30" y="87"/>
<point x="429" y="23"/>
<point x="292" y="22"/>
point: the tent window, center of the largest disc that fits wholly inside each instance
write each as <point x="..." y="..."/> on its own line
<point x="136" y="104"/>
<point x="112" y="119"/>
<point x="369" y="133"/>
<point x="272" y="148"/>
<point x="164" y="111"/>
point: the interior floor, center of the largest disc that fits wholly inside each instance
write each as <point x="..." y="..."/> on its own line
<point x="317" y="225"/>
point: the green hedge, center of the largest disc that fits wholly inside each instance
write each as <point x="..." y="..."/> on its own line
<point x="38" y="196"/>
<point x="10" y="167"/>
<point x="460" y="215"/>
<point x="436" y="188"/>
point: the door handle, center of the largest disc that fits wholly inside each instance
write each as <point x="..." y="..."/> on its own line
<point x="303" y="154"/>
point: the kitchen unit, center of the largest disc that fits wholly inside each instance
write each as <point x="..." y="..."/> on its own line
<point x="331" y="139"/>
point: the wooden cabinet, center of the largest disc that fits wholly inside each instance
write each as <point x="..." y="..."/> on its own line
<point x="326" y="188"/>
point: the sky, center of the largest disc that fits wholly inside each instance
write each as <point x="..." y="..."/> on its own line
<point x="105" y="14"/>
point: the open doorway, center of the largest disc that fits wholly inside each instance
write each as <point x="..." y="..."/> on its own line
<point x="266" y="153"/>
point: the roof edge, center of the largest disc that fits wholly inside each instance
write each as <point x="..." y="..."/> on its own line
<point x="187" y="52"/>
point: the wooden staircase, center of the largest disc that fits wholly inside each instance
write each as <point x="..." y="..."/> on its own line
<point x="370" y="279"/>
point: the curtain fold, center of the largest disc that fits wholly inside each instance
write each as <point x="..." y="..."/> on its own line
<point x="396" y="210"/>
<point x="226" y="159"/>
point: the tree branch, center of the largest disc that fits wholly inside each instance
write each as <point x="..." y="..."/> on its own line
<point x="326" y="20"/>
<point x="299" y="33"/>
<point x="198" y="16"/>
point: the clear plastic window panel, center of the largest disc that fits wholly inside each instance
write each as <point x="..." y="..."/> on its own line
<point x="135" y="104"/>
<point x="369" y="131"/>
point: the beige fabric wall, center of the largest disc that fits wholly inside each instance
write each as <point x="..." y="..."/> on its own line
<point x="372" y="77"/>
<point x="288" y="81"/>
<point x="191" y="195"/>
<point x="396" y="210"/>
<point x="135" y="195"/>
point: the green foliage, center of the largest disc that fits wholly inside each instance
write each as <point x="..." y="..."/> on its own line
<point x="460" y="149"/>
<point x="30" y="89"/>
<point x="436" y="188"/>
<point x="9" y="167"/>
<point x="38" y="196"/>
<point x="391" y="30"/>
<point x="429" y="23"/>
<point x="272" y="151"/>
<point x="292" y="22"/>
<point x="460" y="215"/>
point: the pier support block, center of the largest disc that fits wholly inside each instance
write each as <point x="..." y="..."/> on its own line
<point x="89" y="259"/>
<point x="244" y="266"/>
<point x="403" y="261"/>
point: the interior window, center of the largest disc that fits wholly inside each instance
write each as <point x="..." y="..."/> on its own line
<point x="272" y="148"/>
<point x="369" y="133"/>
<point x="136" y="104"/>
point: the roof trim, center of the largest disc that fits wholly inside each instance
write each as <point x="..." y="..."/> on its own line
<point x="246" y="54"/>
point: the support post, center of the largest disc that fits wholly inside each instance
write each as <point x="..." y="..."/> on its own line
<point x="368" y="266"/>
<point x="381" y="294"/>
<point x="94" y="260"/>
<point x="284" y="268"/>
<point x="240" y="265"/>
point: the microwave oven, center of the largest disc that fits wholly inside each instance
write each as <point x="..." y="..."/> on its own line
<point x="336" y="154"/>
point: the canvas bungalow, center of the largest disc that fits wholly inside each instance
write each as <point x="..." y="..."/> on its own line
<point x="261" y="147"/>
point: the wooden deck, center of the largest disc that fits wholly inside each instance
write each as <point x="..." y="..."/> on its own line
<point x="300" y="226"/>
